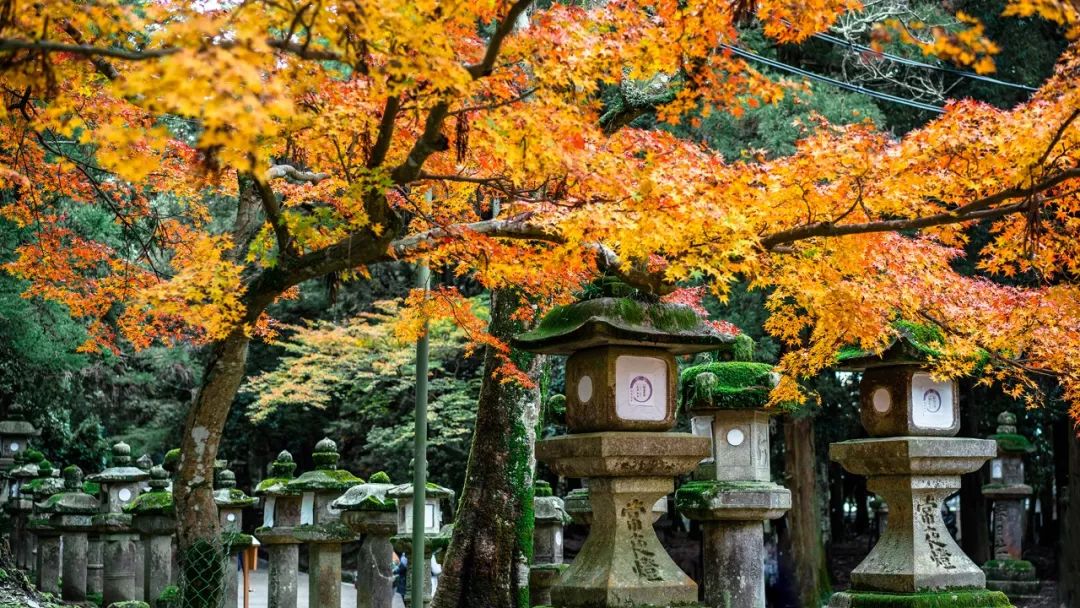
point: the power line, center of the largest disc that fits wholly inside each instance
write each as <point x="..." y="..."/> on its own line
<point x="919" y="64"/>
<point x="834" y="82"/>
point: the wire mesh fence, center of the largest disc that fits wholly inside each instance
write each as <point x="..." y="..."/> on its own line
<point x="205" y="569"/>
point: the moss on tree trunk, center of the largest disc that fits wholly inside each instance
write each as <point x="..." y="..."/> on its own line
<point x="804" y="542"/>
<point x="487" y="561"/>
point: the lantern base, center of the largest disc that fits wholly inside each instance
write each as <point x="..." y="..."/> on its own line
<point x="622" y="562"/>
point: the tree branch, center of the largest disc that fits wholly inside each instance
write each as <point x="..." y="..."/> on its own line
<point x="479" y="70"/>
<point x="279" y="171"/>
<point x="86" y="50"/>
<point x="286" y="247"/>
<point x="976" y="210"/>
<point x="386" y="132"/>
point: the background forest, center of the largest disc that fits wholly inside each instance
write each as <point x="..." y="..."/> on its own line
<point x="338" y="370"/>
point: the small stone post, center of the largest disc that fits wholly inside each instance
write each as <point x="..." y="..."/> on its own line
<point x="47" y="569"/>
<point x="436" y="536"/>
<point x="620" y="379"/>
<point x="72" y="511"/>
<point x="231" y="504"/>
<point x="914" y="462"/>
<point x="733" y="495"/>
<point x="320" y="526"/>
<point x="281" y="516"/>
<point x="372" y="516"/>
<point x="119" y="485"/>
<point x="154" y="517"/>
<point x="1008" y="572"/>
<point x="547" y="565"/>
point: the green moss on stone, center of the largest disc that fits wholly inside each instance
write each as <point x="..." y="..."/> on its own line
<point x="960" y="598"/>
<point x="275" y="486"/>
<point x="380" y="477"/>
<point x="129" y="604"/>
<point x="1020" y="565"/>
<point x="92" y="488"/>
<point x="732" y="385"/>
<point x="169" y="594"/>
<point x="1013" y="442"/>
<point x="700" y="494"/>
<point x="324" y="479"/>
<point x="151" y="503"/>
<point x="236" y="539"/>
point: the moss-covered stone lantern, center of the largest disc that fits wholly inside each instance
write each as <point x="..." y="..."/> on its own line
<point x="21" y="503"/>
<point x="231" y="503"/>
<point x="71" y="512"/>
<point x="550" y="518"/>
<point x="436" y="535"/>
<point x="47" y="536"/>
<point x="15" y="436"/>
<point x="121" y="550"/>
<point x="914" y="462"/>
<point x="320" y="525"/>
<point x="281" y="515"/>
<point x="371" y="514"/>
<point x="733" y="493"/>
<point x="620" y="384"/>
<point x="154" y="517"/>
<point x="1008" y="571"/>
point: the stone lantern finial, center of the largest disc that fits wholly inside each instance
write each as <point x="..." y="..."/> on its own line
<point x="159" y="478"/>
<point x="226" y="479"/>
<point x="121" y="454"/>
<point x="1006" y="423"/>
<point x="73" y="478"/>
<point x="144" y="462"/>
<point x="45" y="468"/>
<point x="326" y="455"/>
<point x="283" y="465"/>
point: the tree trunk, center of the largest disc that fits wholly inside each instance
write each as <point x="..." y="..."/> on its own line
<point x="487" y="561"/>
<point x="974" y="523"/>
<point x="805" y="546"/>
<point x="193" y="488"/>
<point x="1069" y="550"/>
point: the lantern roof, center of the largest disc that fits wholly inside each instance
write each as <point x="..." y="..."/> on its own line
<point x="431" y="491"/>
<point x="73" y="500"/>
<point x="121" y="471"/>
<point x="623" y="321"/>
<point x="728" y="385"/>
<point x="228" y="495"/>
<point x="326" y="476"/>
<point x="281" y="473"/>
<point x="911" y="344"/>
<point x="370" y="496"/>
<point x="18" y="427"/>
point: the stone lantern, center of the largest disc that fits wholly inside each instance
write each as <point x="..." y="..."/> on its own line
<point x="47" y="537"/>
<point x="21" y="503"/>
<point x="119" y="487"/>
<point x="281" y="514"/>
<point x="320" y="525"/>
<point x="620" y="384"/>
<point x="14" y="437"/>
<point x="1008" y="572"/>
<point x="550" y="517"/>
<point x="70" y="513"/>
<point x="436" y="536"/>
<point x="231" y="503"/>
<point x="733" y="494"/>
<point x="153" y="515"/>
<point x="914" y="463"/>
<point x="371" y="514"/>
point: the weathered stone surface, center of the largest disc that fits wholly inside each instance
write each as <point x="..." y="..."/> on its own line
<point x="48" y="560"/>
<point x="905" y="400"/>
<point x="95" y="566"/>
<point x="623" y="454"/>
<point x="542" y="578"/>
<point x="914" y="475"/>
<point x="284" y="565"/>
<point x="598" y="387"/>
<point x="118" y="555"/>
<point x="374" y="572"/>
<point x="960" y="598"/>
<point x="732" y="500"/>
<point x="740" y="445"/>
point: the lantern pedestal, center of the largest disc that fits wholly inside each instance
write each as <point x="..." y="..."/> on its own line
<point x="374" y="564"/>
<point x="281" y="513"/>
<point x="914" y="475"/>
<point x="622" y="561"/>
<point x="48" y="556"/>
<point x="731" y="515"/>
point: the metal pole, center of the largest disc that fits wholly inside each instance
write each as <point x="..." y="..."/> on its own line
<point x="420" y="454"/>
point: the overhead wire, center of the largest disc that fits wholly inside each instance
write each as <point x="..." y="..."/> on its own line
<point x="832" y="81"/>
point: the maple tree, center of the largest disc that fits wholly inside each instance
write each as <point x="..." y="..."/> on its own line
<point x="473" y="135"/>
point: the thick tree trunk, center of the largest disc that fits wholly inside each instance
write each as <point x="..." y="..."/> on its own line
<point x="487" y="562"/>
<point x="1069" y="564"/>
<point x="804" y="541"/>
<point x="193" y="488"/>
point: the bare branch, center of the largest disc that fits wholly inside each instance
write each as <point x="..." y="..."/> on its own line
<point x="86" y="50"/>
<point x="286" y="247"/>
<point x="479" y="70"/>
<point x="279" y="171"/>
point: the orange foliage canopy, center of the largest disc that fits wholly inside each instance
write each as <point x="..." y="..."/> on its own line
<point x="348" y="133"/>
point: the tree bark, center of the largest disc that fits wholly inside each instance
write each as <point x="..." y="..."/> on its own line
<point x="487" y="561"/>
<point x="1069" y="550"/>
<point x="804" y="544"/>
